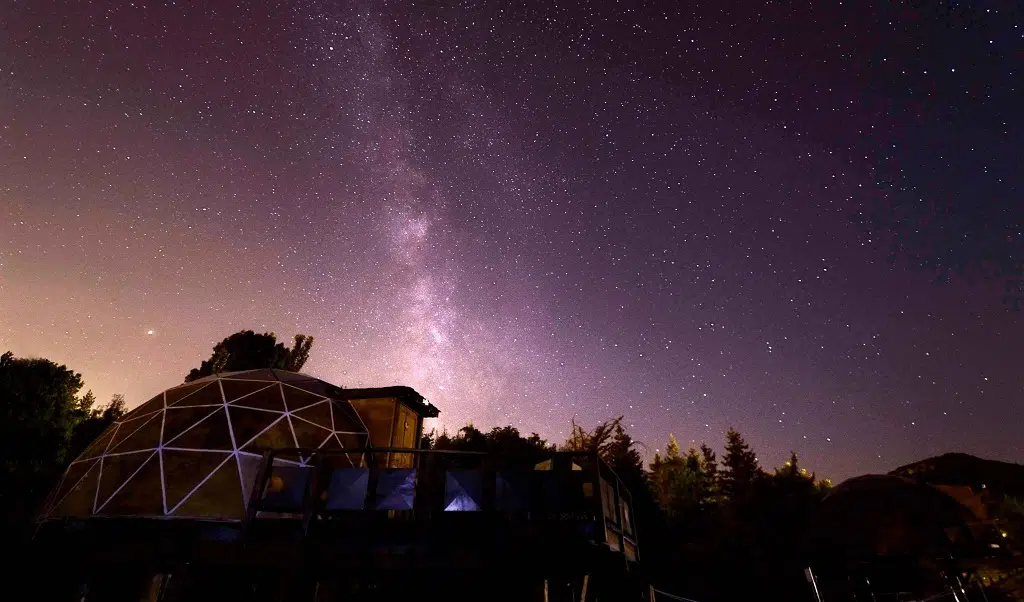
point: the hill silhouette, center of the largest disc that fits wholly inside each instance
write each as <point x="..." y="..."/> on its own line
<point x="998" y="477"/>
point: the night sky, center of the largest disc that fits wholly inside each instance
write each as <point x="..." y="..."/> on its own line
<point x="526" y="211"/>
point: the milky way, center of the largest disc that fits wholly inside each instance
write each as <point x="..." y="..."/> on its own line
<point x="530" y="214"/>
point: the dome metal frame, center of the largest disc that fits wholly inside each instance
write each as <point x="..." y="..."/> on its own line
<point x="193" y="451"/>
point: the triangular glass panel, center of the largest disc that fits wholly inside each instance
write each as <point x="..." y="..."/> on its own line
<point x="331" y="444"/>
<point x="146" y="436"/>
<point x="308" y="435"/>
<point x="346" y="418"/>
<point x="178" y="420"/>
<point x="276" y="437"/>
<point x="318" y="413"/>
<point x="316" y="387"/>
<point x="268" y="398"/>
<point x="141" y="496"/>
<point x="262" y="374"/>
<point x="157" y="403"/>
<point x="178" y="394"/>
<point x="210" y="433"/>
<point x="297" y="398"/>
<point x="249" y="466"/>
<point x="99" y="446"/>
<point x="72" y="476"/>
<point x="126" y="428"/>
<point x="207" y="396"/>
<point x="246" y="423"/>
<point x="117" y="470"/>
<point x="235" y="389"/>
<point x="183" y="470"/>
<point x="353" y="440"/>
<point x="79" y="499"/>
<point x="219" y="497"/>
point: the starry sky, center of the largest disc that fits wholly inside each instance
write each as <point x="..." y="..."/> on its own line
<point x="528" y="211"/>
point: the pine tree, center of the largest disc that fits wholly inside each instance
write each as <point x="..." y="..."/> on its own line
<point x="790" y="469"/>
<point x="740" y="469"/>
<point x="681" y="483"/>
<point x="709" y="462"/>
<point x="622" y="456"/>
<point x="672" y="449"/>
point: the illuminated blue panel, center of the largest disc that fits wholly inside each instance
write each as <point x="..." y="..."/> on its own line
<point x="396" y="489"/>
<point x="463" y="491"/>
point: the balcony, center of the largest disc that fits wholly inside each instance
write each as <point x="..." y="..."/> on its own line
<point x="441" y="509"/>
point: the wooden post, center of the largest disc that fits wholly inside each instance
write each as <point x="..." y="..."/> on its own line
<point x="545" y="590"/>
<point x="583" y="593"/>
<point x="652" y="593"/>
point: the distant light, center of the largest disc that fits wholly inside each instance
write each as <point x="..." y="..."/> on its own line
<point x="1004" y="533"/>
<point x="150" y="332"/>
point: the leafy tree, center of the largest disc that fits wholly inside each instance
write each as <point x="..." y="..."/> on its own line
<point x="740" y="469"/>
<point x="247" y="350"/>
<point x="502" y="440"/>
<point x="95" y="422"/>
<point x="599" y="440"/>
<point x="297" y="356"/>
<point x="115" y="409"/>
<point x="616" y="447"/>
<point x="39" y="410"/>
<point x="87" y="401"/>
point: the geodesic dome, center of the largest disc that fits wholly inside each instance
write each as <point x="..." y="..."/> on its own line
<point x="193" y="451"/>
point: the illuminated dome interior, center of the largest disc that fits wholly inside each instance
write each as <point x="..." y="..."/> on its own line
<point x="194" y="450"/>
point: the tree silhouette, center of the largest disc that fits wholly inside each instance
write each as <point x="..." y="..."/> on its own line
<point x="296" y="357"/>
<point x="740" y="469"/>
<point x="39" y="410"/>
<point x="710" y="465"/>
<point x="247" y="350"/>
<point x="503" y="440"/>
<point x="95" y="421"/>
<point x="600" y="440"/>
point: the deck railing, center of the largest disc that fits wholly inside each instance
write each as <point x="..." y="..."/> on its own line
<point x="424" y="484"/>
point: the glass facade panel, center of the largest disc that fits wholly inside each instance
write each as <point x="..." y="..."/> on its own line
<point x="347" y="489"/>
<point x="396" y="489"/>
<point x="463" y="491"/>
